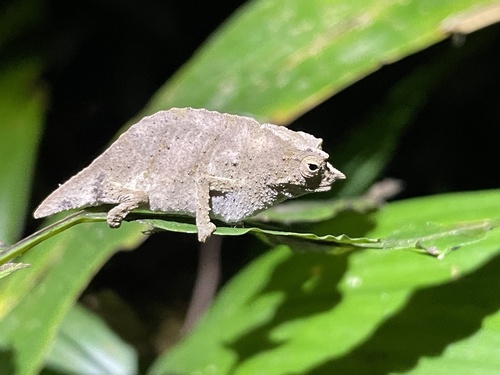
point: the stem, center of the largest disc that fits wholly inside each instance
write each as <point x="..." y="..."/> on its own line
<point x="207" y="281"/>
<point x="27" y="243"/>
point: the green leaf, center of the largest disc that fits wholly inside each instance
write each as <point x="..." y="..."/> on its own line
<point x="22" y="109"/>
<point x="275" y="60"/>
<point x="22" y="112"/>
<point x="327" y="242"/>
<point x="34" y="303"/>
<point x="85" y="345"/>
<point x="430" y="237"/>
<point x="371" y="311"/>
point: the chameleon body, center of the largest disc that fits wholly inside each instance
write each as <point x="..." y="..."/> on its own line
<point x="198" y="163"/>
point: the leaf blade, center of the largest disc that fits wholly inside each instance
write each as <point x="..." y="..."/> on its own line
<point x="310" y="51"/>
<point x="59" y="279"/>
<point x="321" y="314"/>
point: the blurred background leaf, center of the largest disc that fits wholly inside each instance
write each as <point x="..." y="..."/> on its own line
<point x="22" y="109"/>
<point x="275" y="60"/>
<point x="85" y="345"/>
<point x="35" y="303"/>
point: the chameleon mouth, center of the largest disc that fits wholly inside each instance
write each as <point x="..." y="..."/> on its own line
<point x="335" y="173"/>
<point x="322" y="189"/>
<point x="331" y="175"/>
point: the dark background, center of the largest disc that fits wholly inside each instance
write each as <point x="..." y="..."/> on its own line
<point x="106" y="58"/>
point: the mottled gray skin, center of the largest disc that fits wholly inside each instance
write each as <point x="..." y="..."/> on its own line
<point x="198" y="163"/>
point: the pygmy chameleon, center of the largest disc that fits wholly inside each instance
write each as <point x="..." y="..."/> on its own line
<point x="198" y="163"/>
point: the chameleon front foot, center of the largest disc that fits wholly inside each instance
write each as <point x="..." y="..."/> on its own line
<point x="205" y="231"/>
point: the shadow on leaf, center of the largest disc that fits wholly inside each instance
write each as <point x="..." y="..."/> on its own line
<point x="6" y="361"/>
<point x="313" y="292"/>
<point x="433" y="319"/>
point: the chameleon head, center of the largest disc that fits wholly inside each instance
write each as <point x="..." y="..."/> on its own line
<point x="302" y="164"/>
<point x="308" y="172"/>
<point x="317" y="174"/>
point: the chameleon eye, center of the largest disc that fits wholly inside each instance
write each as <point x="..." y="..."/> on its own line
<point x="313" y="167"/>
<point x="310" y="166"/>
